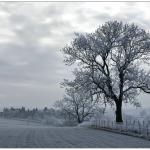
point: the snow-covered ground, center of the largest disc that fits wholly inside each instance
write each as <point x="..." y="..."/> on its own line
<point x="135" y="122"/>
<point x="22" y="134"/>
<point x="15" y="123"/>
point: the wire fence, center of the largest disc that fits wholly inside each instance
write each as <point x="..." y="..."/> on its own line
<point x="140" y="128"/>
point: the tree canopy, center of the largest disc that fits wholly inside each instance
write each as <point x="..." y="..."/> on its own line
<point x="111" y="61"/>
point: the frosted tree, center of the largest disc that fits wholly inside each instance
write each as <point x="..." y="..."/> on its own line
<point x="77" y="105"/>
<point x="112" y="62"/>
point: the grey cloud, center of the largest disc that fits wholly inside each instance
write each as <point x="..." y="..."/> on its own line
<point x="31" y="63"/>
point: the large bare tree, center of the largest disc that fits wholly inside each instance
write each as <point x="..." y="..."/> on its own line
<point x="112" y="62"/>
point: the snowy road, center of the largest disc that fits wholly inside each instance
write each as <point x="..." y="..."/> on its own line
<point x="26" y="135"/>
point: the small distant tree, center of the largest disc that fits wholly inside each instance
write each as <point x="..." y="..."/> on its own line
<point x="45" y="109"/>
<point x="111" y="62"/>
<point x="5" y="112"/>
<point x="77" y="105"/>
<point x="22" y="112"/>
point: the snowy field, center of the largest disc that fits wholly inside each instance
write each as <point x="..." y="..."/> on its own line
<point x="33" y="135"/>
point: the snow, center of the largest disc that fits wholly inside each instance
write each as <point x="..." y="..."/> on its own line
<point x="15" y="133"/>
<point x="15" y="123"/>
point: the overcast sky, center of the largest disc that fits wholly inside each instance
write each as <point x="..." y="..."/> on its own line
<point x="31" y="36"/>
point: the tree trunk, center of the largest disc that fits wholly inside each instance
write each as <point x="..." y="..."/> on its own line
<point x="119" y="112"/>
<point x="79" y="121"/>
<point x="78" y="117"/>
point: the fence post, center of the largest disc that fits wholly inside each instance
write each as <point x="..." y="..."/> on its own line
<point x="143" y="127"/>
<point x="139" y="127"/>
<point x="133" y="125"/>
<point x="104" y="123"/>
<point x="126" y="126"/>
<point x="147" y="130"/>
<point x="107" y="123"/>
<point x="92" y="124"/>
<point x="96" y="123"/>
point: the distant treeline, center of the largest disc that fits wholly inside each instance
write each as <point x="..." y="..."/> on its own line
<point x="34" y="113"/>
<point x="49" y="116"/>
